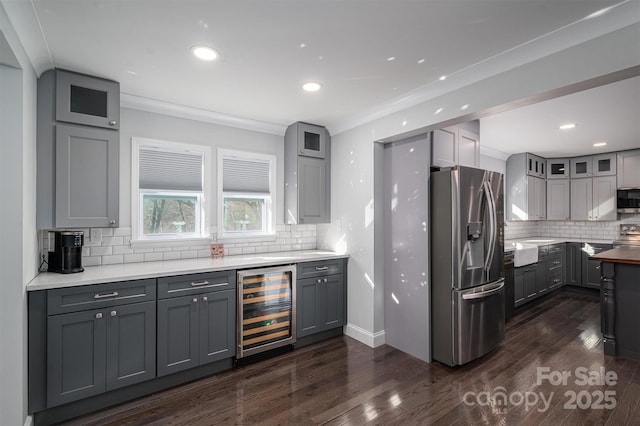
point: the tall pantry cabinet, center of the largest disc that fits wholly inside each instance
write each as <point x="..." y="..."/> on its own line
<point x="77" y="151"/>
<point x="307" y="182"/>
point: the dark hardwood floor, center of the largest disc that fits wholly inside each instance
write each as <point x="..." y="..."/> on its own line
<point x="341" y="381"/>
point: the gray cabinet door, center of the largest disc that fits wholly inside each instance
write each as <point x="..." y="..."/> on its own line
<point x="558" y="206"/>
<point x="331" y="302"/>
<point x="312" y="190"/>
<point x="629" y="169"/>
<point x="87" y="100"/>
<point x="468" y="148"/>
<point x="542" y="285"/>
<point x="518" y="287"/>
<point x="312" y="140"/>
<point x="76" y="356"/>
<point x="87" y="177"/>
<point x="131" y="344"/>
<point x="307" y="313"/>
<point x="581" y="199"/>
<point x="604" y="164"/>
<point x="573" y="264"/>
<point x="217" y="325"/>
<point x="604" y="198"/>
<point x="591" y="268"/>
<point x="178" y="334"/>
<point x="530" y="282"/>
<point x="444" y="148"/>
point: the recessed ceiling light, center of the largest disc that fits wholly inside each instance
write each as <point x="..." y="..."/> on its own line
<point x="205" y="53"/>
<point x="442" y="78"/>
<point x="421" y="61"/>
<point x="391" y="58"/>
<point x="303" y="45"/>
<point x="311" y="86"/>
<point x="567" y="126"/>
<point x="465" y="106"/>
<point x="438" y="111"/>
<point x="600" y="144"/>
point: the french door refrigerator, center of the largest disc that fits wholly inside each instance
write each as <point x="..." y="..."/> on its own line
<point x="467" y="263"/>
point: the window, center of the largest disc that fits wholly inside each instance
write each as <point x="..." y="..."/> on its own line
<point x="247" y="189"/>
<point x="169" y="183"/>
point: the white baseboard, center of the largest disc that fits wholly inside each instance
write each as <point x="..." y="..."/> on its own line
<point x="368" y="338"/>
<point x="28" y="421"/>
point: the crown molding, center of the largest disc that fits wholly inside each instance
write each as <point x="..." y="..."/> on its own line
<point x="167" y="108"/>
<point x="493" y="153"/>
<point x="622" y="15"/>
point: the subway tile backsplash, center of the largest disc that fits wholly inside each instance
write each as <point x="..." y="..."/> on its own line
<point x="568" y="229"/>
<point x="115" y="247"/>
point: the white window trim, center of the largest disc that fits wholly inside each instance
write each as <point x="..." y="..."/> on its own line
<point x="137" y="241"/>
<point x="270" y="234"/>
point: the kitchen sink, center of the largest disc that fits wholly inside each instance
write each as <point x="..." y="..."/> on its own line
<point x="525" y="254"/>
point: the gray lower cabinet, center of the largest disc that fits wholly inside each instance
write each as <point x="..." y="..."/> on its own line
<point x="574" y="264"/>
<point x="91" y="352"/>
<point x="197" y="328"/>
<point x="525" y="284"/>
<point x="591" y="269"/>
<point x="320" y="298"/>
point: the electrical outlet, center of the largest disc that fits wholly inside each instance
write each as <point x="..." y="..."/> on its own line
<point x="96" y="235"/>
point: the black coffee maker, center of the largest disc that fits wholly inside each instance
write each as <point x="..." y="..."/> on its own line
<point x="66" y="257"/>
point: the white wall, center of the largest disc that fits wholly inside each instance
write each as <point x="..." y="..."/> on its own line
<point x="18" y="251"/>
<point x="353" y="170"/>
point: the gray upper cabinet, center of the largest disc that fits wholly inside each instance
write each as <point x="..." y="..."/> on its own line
<point x="629" y="169"/>
<point x="593" y="198"/>
<point x="525" y="191"/>
<point x="558" y="168"/>
<point x="87" y="177"/>
<point x="87" y="100"/>
<point x="307" y="194"/>
<point x="558" y="200"/>
<point x="77" y="151"/>
<point x="594" y="165"/>
<point x="453" y="146"/>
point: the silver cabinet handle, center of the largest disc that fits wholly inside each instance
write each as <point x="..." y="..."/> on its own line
<point x="104" y="296"/>
<point x="197" y="283"/>
<point x="205" y="298"/>
<point x="113" y="123"/>
<point x="319" y="281"/>
<point x="321" y="268"/>
<point x="99" y="315"/>
<point x="324" y="280"/>
<point x="195" y="300"/>
<point x="114" y="313"/>
<point x="597" y="267"/>
<point x="112" y="222"/>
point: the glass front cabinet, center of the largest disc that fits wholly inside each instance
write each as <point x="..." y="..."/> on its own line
<point x="558" y="168"/>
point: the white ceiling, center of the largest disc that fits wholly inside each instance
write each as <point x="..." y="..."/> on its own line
<point x="609" y="113"/>
<point x="145" y="44"/>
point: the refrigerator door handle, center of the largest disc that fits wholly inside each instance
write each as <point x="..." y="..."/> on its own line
<point x="493" y="223"/>
<point x="487" y="293"/>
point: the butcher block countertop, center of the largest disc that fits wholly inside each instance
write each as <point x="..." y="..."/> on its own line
<point x="629" y="255"/>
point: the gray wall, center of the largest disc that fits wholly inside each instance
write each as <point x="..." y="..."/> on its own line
<point x="353" y="190"/>
<point x="134" y="123"/>
<point x="18" y="252"/>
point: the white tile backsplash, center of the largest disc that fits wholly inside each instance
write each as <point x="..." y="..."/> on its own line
<point x="114" y="246"/>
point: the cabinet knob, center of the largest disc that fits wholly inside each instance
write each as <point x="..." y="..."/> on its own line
<point x="113" y="123"/>
<point x="319" y="281"/>
<point x="195" y="300"/>
<point x="114" y="313"/>
<point x="324" y="280"/>
<point x="112" y="222"/>
<point x="205" y="298"/>
<point x="99" y="315"/>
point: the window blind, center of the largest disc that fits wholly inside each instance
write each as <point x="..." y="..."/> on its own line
<point x="245" y="175"/>
<point x="170" y="170"/>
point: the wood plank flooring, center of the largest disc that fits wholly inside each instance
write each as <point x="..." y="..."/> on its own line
<point x="341" y="381"/>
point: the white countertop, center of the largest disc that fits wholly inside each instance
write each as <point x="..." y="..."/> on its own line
<point x="135" y="271"/>
<point x="543" y="241"/>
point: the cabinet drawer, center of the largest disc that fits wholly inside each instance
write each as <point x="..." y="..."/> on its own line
<point x="74" y="299"/>
<point x="556" y="249"/>
<point x="554" y="280"/>
<point x="320" y="268"/>
<point x="554" y="264"/>
<point x="184" y="285"/>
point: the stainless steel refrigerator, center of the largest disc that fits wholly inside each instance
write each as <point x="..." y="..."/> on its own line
<point x="467" y="266"/>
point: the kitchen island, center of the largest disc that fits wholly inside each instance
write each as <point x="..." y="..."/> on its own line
<point x="620" y="297"/>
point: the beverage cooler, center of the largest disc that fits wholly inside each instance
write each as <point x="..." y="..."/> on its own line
<point x="266" y="309"/>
